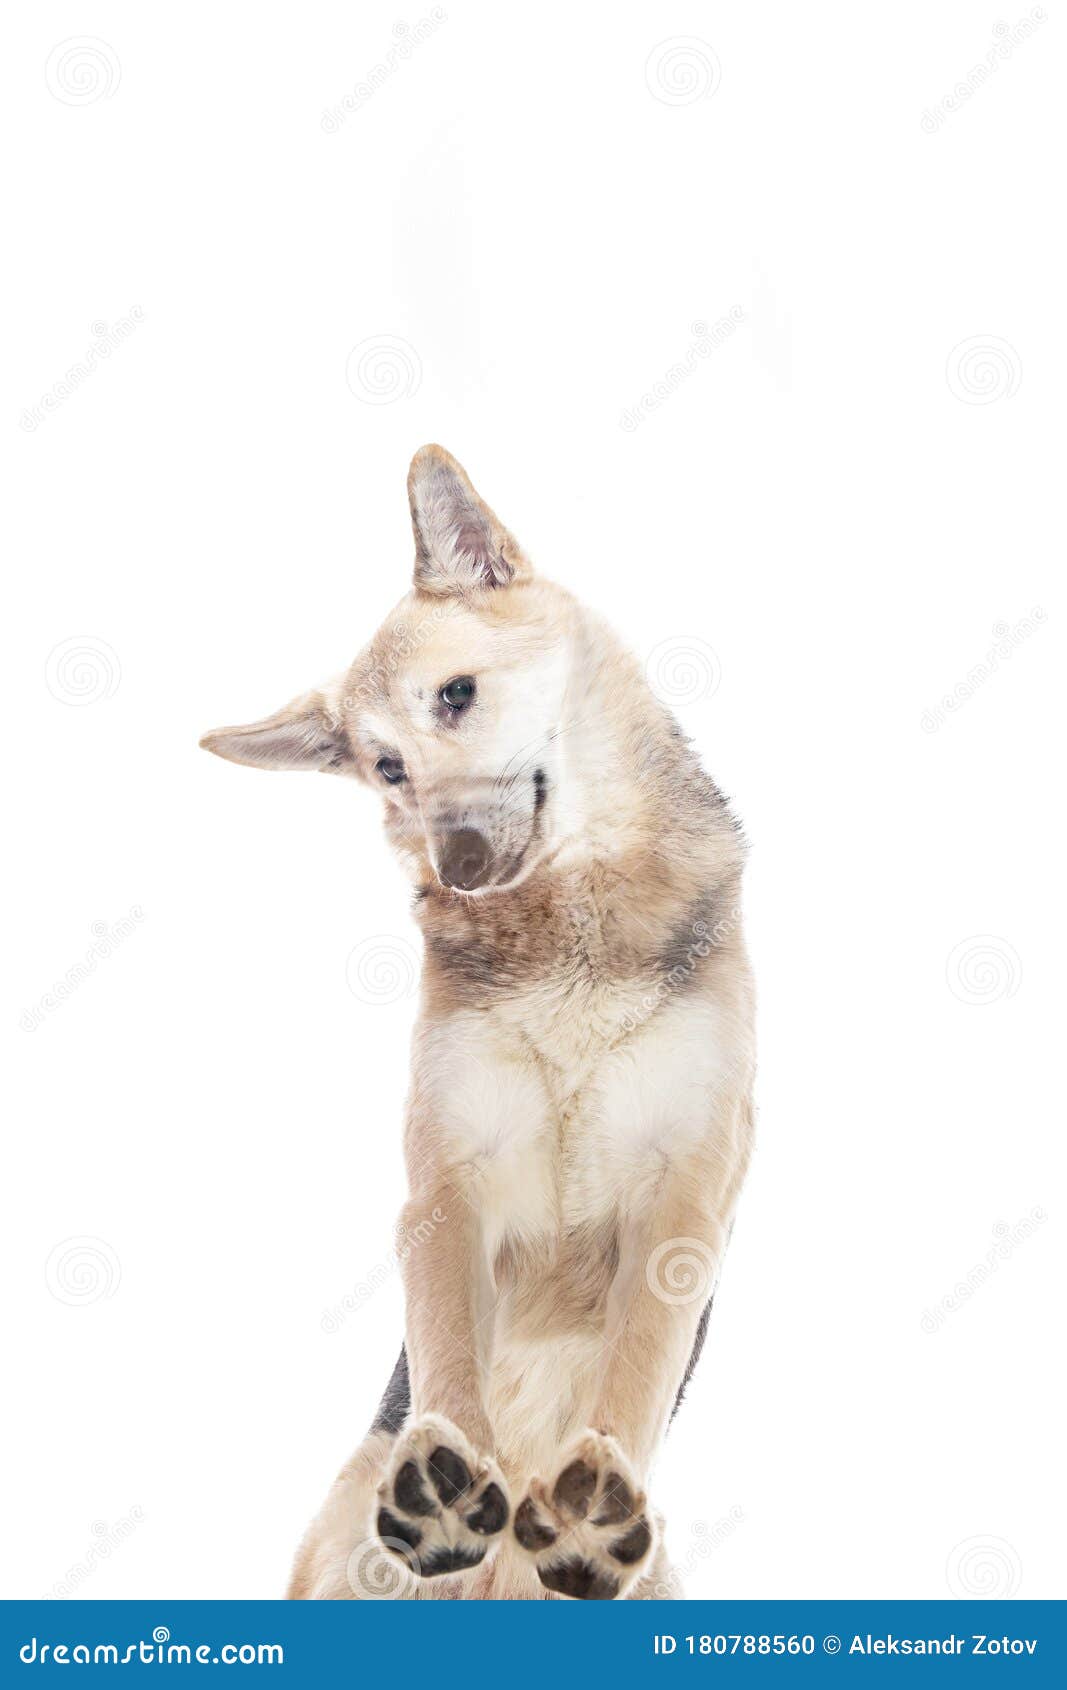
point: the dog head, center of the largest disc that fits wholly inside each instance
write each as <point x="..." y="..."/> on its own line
<point x="454" y="712"/>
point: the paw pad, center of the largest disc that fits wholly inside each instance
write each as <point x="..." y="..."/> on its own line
<point x="441" y="1500"/>
<point x="589" y="1533"/>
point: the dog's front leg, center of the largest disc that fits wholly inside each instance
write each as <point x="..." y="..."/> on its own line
<point x="448" y="1307"/>
<point x="443" y="1502"/>
<point x="675" y="1254"/>
<point x="589" y="1527"/>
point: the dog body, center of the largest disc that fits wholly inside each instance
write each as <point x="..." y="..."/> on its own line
<point x="580" y="1115"/>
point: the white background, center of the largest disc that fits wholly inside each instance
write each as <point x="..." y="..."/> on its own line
<point x="831" y="501"/>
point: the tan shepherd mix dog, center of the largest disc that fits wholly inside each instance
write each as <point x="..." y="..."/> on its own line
<point x="580" y="1115"/>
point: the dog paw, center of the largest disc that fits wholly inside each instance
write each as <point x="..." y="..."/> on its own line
<point x="589" y="1532"/>
<point x="442" y="1506"/>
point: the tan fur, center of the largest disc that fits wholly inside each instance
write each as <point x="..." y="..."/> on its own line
<point x="580" y="1115"/>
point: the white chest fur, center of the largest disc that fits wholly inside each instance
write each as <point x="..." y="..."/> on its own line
<point x="550" y="1133"/>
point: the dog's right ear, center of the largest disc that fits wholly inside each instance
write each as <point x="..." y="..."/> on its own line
<point x="307" y="734"/>
<point x="459" y="542"/>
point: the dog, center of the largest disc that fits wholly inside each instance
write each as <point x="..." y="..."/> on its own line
<point x="580" y="1117"/>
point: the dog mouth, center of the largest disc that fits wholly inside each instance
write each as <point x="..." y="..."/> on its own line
<point x="468" y="861"/>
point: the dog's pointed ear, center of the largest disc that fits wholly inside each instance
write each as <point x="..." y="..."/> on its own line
<point x="459" y="542"/>
<point x="308" y="734"/>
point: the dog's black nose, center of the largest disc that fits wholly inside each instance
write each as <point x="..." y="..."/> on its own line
<point x="465" y="859"/>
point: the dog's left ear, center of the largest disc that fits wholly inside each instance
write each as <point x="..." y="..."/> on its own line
<point x="307" y="734"/>
<point x="459" y="542"/>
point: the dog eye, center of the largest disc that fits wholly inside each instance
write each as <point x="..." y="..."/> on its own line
<point x="458" y="693"/>
<point x="391" y="769"/>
